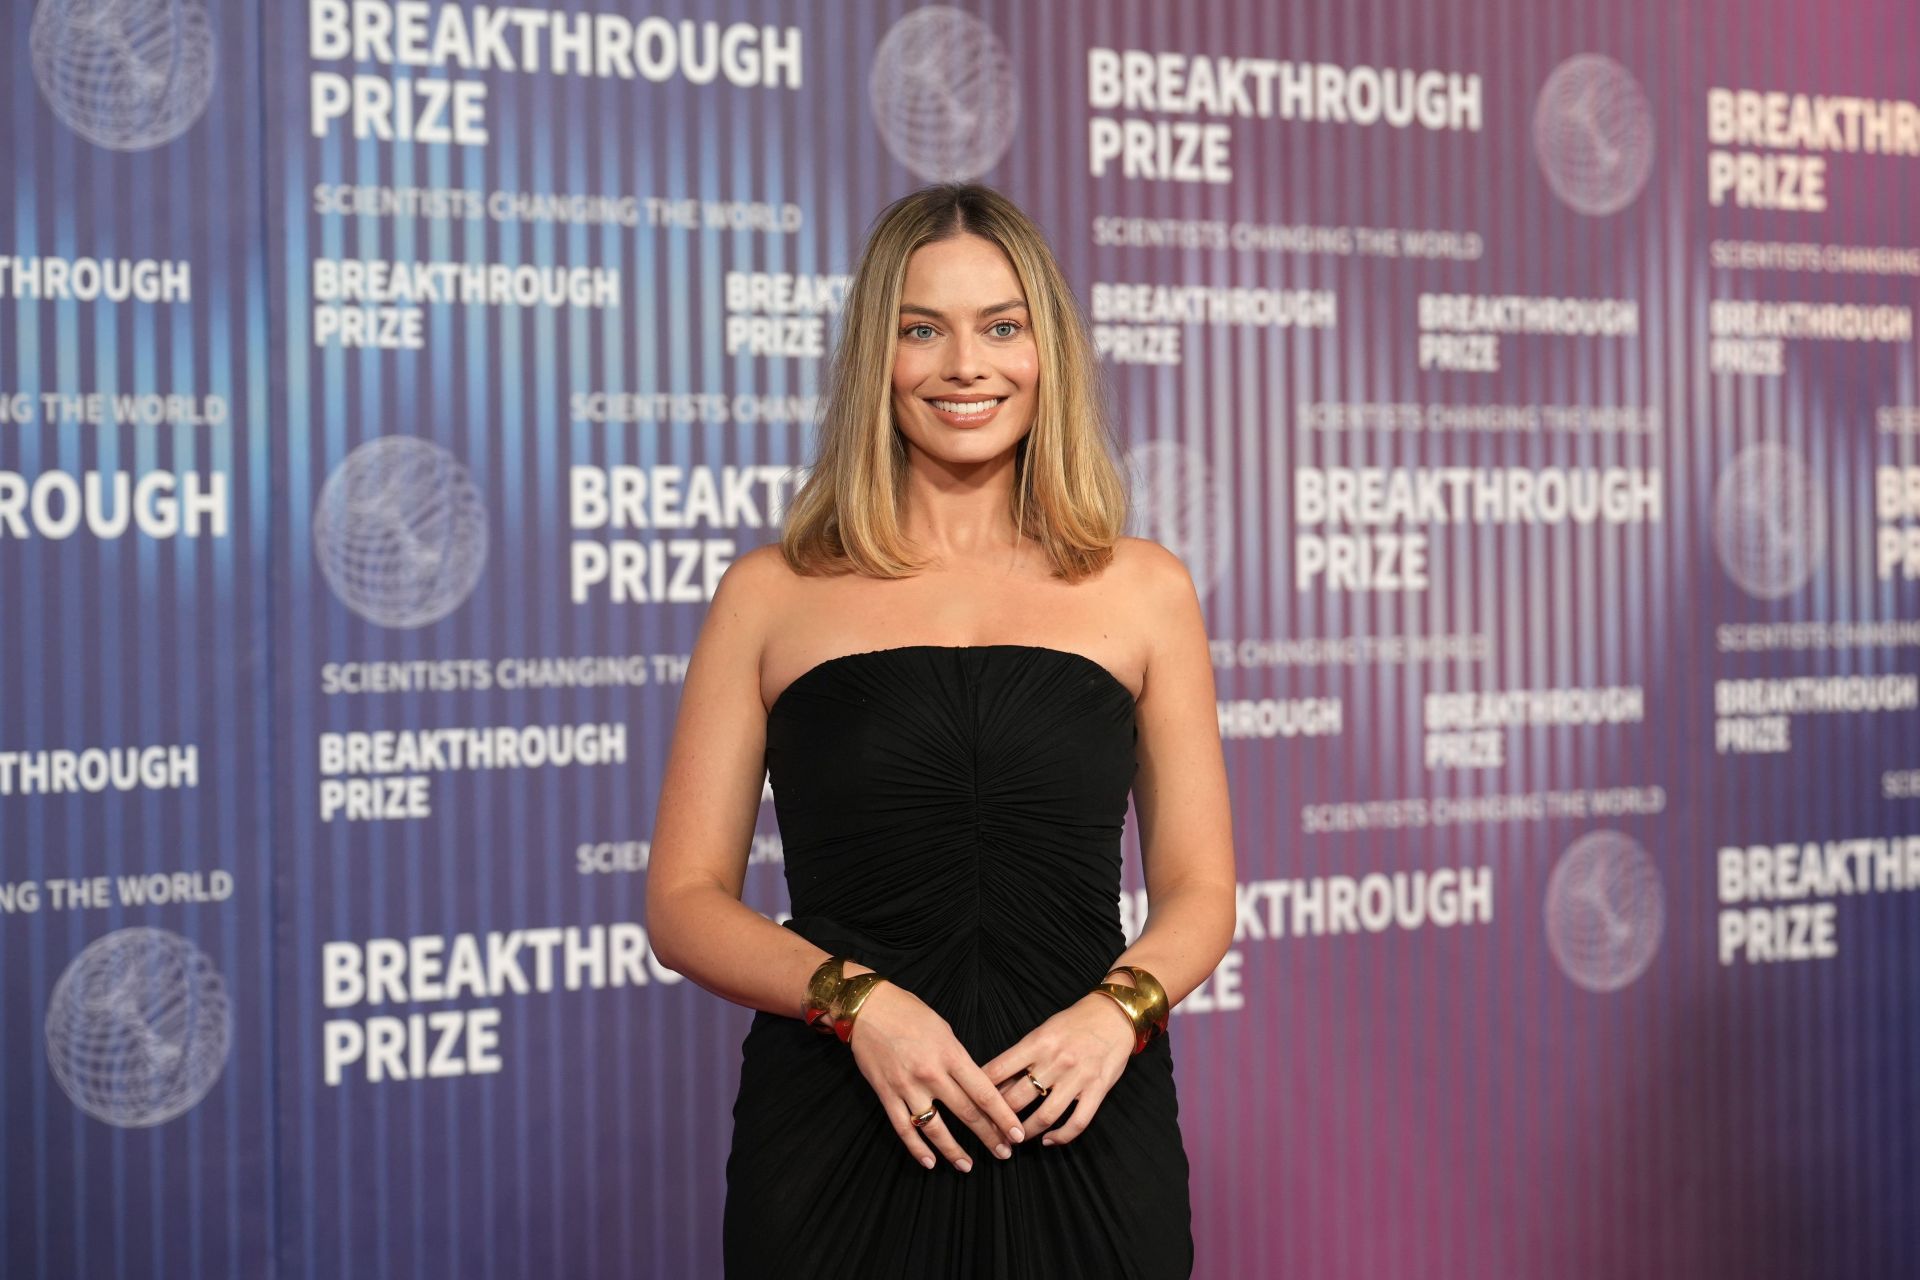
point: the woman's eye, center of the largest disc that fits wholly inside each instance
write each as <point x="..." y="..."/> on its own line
<point x="1005" y="329"/>
<point x="917" y="331"/>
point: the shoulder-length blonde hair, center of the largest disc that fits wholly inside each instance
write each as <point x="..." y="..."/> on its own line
<point x="1067" y="493"/>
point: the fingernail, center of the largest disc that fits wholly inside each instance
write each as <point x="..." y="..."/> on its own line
<point x="964" y="1166"/>
<point x="1003" y="1151"/>
<point x="927" y="1161"/>
<point x="1047" y="1141"/>
<point x="1017" y="1134"/>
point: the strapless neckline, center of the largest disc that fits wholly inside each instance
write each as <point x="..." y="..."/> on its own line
<point x="826" y="664"/>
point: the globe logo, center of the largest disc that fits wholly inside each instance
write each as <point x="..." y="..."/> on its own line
<point x="1605" y="911"/>
<point x="125" y="74"/>
<point x="1769" y="522"/>
<point x="944" y="94"/>
<point x="400" y="532"/>
<point x="1177" y="503"/>
<point x="1593" y="134"/>
<point x="138" y="1028"/>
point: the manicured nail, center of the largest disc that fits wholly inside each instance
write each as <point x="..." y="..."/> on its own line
<point x="1047" y="1141"/>
<point x="964" y="1166"/>
<point x="927" y="1161"/>
<point x="1004" y="1151"/>
<point x="1017" y="1134"/>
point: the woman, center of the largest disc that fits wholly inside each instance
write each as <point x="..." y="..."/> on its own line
<point x="953" y="668"/>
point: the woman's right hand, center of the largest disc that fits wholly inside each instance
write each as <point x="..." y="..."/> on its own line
<point x="912" y="1059"/>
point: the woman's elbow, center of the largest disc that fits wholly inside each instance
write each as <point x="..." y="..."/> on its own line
<point x="663" y="921"/>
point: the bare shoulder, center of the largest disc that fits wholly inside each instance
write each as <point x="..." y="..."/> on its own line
<point x="763" y="566"/>
<point x="1158" y="588"/>
<point x="746" y="608"/>
<point x="755" y="586"/>
<point x="1172" y="630"/>
<point x="1150" y="572"/>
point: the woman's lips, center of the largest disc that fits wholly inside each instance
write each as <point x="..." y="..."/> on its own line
<point x="966" y="413"/>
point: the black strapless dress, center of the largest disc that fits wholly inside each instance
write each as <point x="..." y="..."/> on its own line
<point x="952" y="817"/>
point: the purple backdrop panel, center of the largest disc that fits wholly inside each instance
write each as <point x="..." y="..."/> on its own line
<point x="136" y="1053"/>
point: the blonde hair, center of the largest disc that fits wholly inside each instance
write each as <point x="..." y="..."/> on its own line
<point x="1067" y="493"/>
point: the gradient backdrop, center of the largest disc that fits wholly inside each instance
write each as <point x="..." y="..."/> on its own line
<point x="1501" y="1003"/>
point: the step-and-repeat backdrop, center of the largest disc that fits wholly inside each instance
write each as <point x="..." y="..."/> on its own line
<point x="1530" y="389"/>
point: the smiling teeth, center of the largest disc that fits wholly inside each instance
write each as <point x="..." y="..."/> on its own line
<point x="971" y="409"/>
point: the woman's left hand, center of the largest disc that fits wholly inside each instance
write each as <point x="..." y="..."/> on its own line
<point x="1077" y="1053"/>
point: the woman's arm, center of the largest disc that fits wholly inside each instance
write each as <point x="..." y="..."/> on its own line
<point x="1180" y="792"/>
<point x="709" y="801"/>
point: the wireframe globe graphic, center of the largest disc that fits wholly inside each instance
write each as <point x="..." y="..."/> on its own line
<point x="1769" y="521"/>
<point x="125" y="74"/>
<point x="138" y="1027"/>
<point x="1605" y="911"/>
<point x="1178" y="503"/>
<point x="1593" y="134"/>
<point x="401" y="532"/>
<point x="944" y="94"/>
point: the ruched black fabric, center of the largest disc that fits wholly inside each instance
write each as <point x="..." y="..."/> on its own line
<point x="952" y="817"/>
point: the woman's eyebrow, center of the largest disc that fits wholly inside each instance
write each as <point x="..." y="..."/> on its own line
<point x="914" y="308"/>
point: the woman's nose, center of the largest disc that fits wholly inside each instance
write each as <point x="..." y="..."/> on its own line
<point x="964" y="359"/>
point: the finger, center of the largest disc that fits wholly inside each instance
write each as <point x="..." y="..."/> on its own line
<point x="1055" y="1104"/>
<point x="982" y="1119"/>
<point x="937" y="1133"/>
<point x="1021" y="1093"/>
<point x="980" y="1107"/>
<point x="1011" y="1062"/>
<point x="1083" y="1109"/>
<point x="901" y="1117"/>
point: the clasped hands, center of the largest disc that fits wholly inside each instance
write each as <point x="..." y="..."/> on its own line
<point x="910" y="1056"/>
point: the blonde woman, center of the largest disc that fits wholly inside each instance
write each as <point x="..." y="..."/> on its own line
<point x="955" y="669"/>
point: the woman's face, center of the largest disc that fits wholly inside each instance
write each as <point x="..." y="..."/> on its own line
<point x="965" y="367"/>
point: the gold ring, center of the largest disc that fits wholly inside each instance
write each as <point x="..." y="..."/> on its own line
<point x="925" y="1118"/>
<point x="1038" y="1087"/>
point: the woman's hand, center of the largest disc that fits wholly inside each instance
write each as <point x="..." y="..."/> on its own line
<point x="910" y="1056"/>
<point x="1077" y="1054"/>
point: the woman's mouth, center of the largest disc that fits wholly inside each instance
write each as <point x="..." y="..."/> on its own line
<point x="966" y="413"/>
